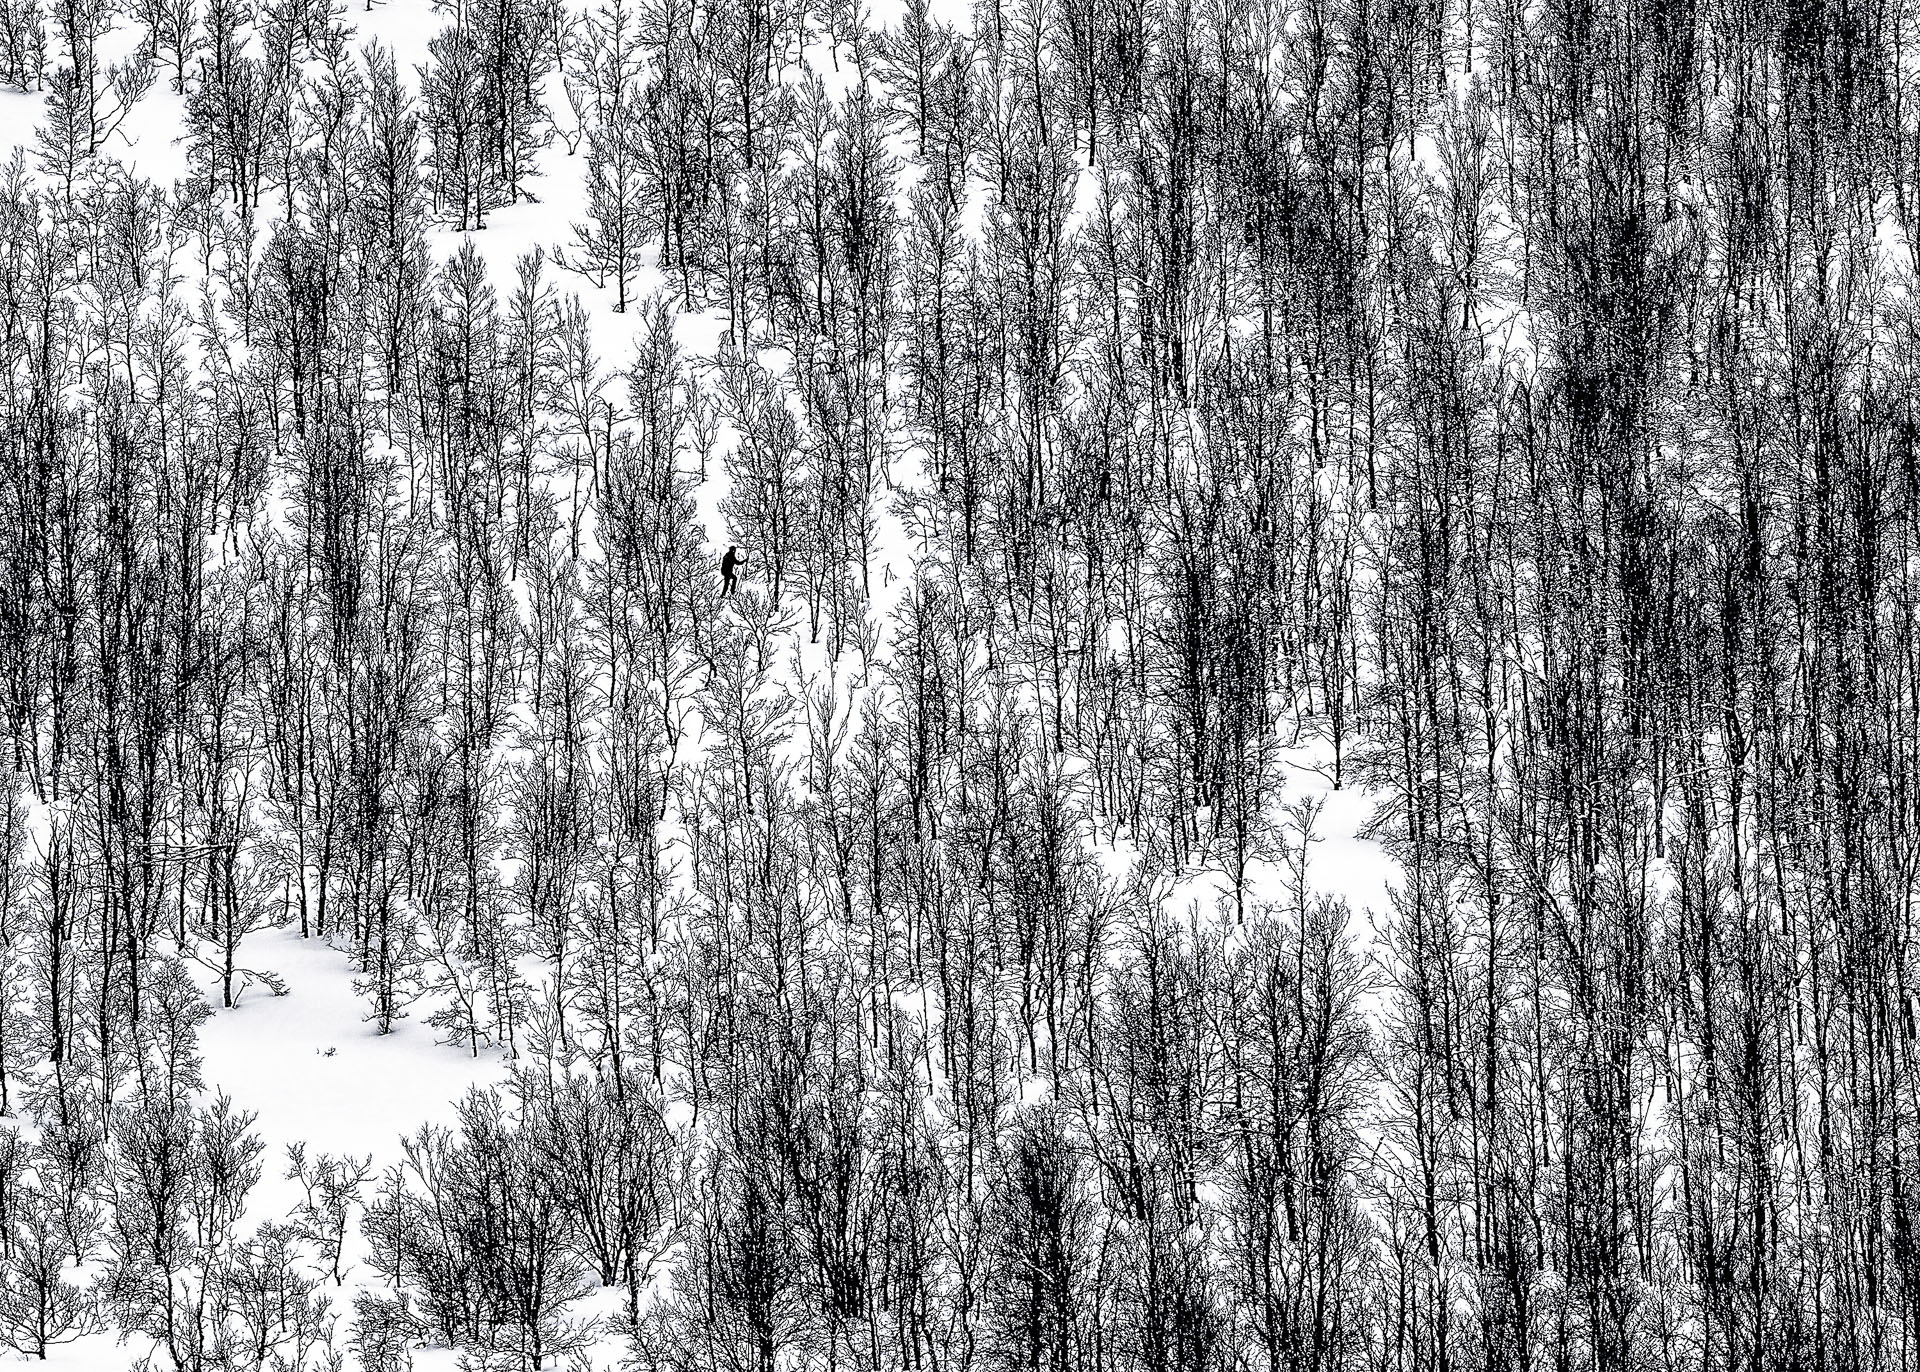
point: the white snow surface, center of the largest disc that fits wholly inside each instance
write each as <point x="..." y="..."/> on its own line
<point x="307" y="1063"/>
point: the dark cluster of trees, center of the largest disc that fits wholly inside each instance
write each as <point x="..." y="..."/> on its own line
<point x="1142" y="419"/>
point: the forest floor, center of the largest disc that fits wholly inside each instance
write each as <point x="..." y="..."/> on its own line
<point x="349" y="1090"/>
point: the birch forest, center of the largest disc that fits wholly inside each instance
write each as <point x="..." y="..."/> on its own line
<point x="966" y="686"/>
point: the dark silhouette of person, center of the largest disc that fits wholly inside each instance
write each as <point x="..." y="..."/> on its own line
<point x="728" y="566"/>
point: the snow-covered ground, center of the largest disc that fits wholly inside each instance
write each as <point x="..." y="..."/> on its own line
<point x="307" y="1063"/>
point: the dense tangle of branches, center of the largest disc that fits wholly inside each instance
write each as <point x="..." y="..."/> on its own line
<point x="1147" y="424"/>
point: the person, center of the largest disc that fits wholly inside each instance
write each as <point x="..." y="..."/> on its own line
<point x="728" y="565"/>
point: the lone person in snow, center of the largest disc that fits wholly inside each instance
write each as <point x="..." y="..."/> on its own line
<point x="728" y="566"/>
